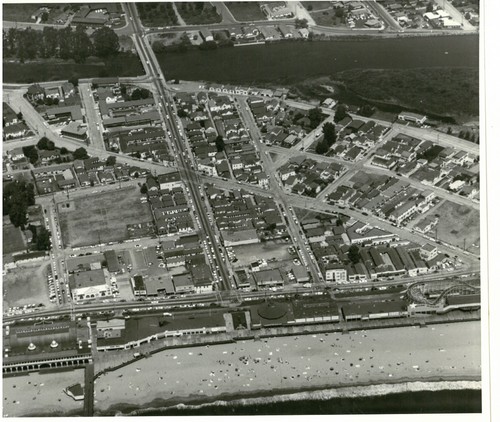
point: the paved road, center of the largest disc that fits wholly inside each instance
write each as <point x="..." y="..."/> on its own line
<point x="93" y="119"/>
<point x="383" y="14"/>
<point x="189" y="176"/>
<point x="292" y="223"/>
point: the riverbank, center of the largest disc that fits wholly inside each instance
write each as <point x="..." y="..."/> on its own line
<point x="370" y="359"/>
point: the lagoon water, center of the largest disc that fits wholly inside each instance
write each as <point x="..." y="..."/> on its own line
<point x="296" y="61"/>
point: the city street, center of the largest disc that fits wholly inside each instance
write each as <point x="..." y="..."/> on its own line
<point x="92" y="115"/>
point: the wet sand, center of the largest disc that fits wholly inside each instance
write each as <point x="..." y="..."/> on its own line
<point x="36" y="393"/>
<point x="445" y="351"/>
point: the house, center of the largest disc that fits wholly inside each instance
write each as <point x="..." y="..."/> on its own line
<point x="300" y="273"/>
<point x="15" y="130"/>
<point x="35" y="92"/>
<point x="242" y="237"/>
<point x="285" y="31"/>
<point x="412" y="117"/>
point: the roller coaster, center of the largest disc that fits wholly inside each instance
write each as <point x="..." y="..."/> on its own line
<point x="418" y="292"/>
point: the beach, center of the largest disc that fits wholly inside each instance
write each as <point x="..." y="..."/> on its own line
<point x="285" y="364"/>
<point x="35" y="394"/>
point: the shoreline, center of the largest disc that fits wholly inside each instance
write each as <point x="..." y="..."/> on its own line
<point x="363" y="363"/>
<point x="326" y="392"/>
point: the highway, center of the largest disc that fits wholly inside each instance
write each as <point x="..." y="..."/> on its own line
<point x="188" y="175"/>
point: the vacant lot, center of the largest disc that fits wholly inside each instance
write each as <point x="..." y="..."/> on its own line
<point x="157" y="14"/>
<point x="13" y="239"/>
<point x="197" y="13"/>
<point x="26" y="285"/>
<point x="327" y="18"/>
<point x="456" y="223"/>
<point x="103" y="217"/>
<point x="244" y="11"/>
<point x="250" y="253"/>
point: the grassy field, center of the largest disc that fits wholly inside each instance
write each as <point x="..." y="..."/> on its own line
<point x="121" y="65"/>
<point x="157" y="14"/>
<point x="23" y="286"/>
<point x="13" y="240"/>
<point x="442" y="91"/>
<point x="326" y="18"/>
<point x="316" y="5"/>
<point x="103" y="216"/>
<point x="245" y="11"/>
<point x="456" y="223"/>
<point x="19" y="12"/>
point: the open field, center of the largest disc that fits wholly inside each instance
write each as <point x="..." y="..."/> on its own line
<point x="122" y="64"/>
<point x="13" y="239"/>
<point x="103" y="217"/>
<point x="456" y="223"/>
<point x="157" y="14"/>
<point x="245" y="11"/>
<point x="317" y="5"/>
<point x="194" y="16"/>
<point x="326" y="18"/>
<point x="26" y="285"/>
<point x="19" y="12"/>
<point x="36" y="394"/>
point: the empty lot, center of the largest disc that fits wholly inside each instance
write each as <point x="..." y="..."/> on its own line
<point x="103" y="217"/>
<point x="13" y="240"/>
<point x="456" y="223"/>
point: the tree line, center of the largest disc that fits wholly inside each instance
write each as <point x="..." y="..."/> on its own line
<point x="66" y="43"/>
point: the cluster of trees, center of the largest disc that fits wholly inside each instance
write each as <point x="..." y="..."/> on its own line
<point x="468" y="136"/>
<point x="315" y="116"/>
<point x="31" y="153"/>
<point x="80" y="154"/>
<point x="137" y="94"/>
<point x="197" y="13"/>
<point x="366" y="110"/>
<point x="157" y="14"/>
<point x="45" y="144"/>
<point x="17" y="197"/>
<point x="329" y="138"/>
<point x="353" y="254"/>
<point x="66" y="43"/>
<point x="41" y="238"/>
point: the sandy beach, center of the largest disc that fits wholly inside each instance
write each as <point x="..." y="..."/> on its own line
<point x="445" y="351"/>
<point x="36" y="394"/>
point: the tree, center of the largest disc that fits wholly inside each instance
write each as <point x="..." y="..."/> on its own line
<point x="106" y="42"/>
<point x="17" y="196"/>
<point x="322" y="147"/>
<point x="339" y="222"/>
<point x="82" y="46"/>
<point x="144" y="189"/>
<point x="339" y="12"/>
<point x="111" y="160"/>
<point x="329" y="133"/>
<point x="300" y="23"/>
<point x="43" y="240"/>
<point x="219" y="143"/>
<point x="353" y="254"/>
<point x="64" y="150"/>
<point x="182" y="113"/>
<point x="31" y="153"/>
<point x="315" y="116"/>
<point x="340" y="113"/>
<point x="20" y="116"/>
<point x="46" y="144"/>
<point x="366" y="110"/>
<point x="449" y="131"/>
<point x="80" y="154"/>
<point x="309" y="8"/>
<point x="140" y="93"/>
<point x="429" y="7"/>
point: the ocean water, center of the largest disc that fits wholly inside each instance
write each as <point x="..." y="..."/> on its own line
<point x="443" y="401"/>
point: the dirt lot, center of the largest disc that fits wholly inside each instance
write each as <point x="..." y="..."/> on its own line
<point x="13" y="240"/>
<point x="26" y="285"/>
<point x="103" y="217"/>
<point x="456" y="223"/>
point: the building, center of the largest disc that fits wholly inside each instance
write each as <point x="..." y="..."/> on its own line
<point x="183" y="283"/>
<point x="242" y="237"/>
<point x="374" y="310"/>
<point x="407" y="116"/>
<point x="90" y="284"/>
<point x="300" y="273"/>
<point x="138" y="285"/>
<point x="110" y="329"/>
<point x="206" y="35"/>
<point x="428" y="251"/>
<point x="45" y="345"/>
<point x="335" y="274"/>
<point x="268" y="278"/>
<point x="170" y="181"/>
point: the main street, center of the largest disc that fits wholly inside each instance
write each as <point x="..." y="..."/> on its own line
<point x="188" y="175"/>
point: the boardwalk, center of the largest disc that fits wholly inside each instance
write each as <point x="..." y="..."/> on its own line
<point x="88" y="404"/>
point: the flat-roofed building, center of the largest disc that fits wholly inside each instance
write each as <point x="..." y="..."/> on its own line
<point x="90" y="284"/>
